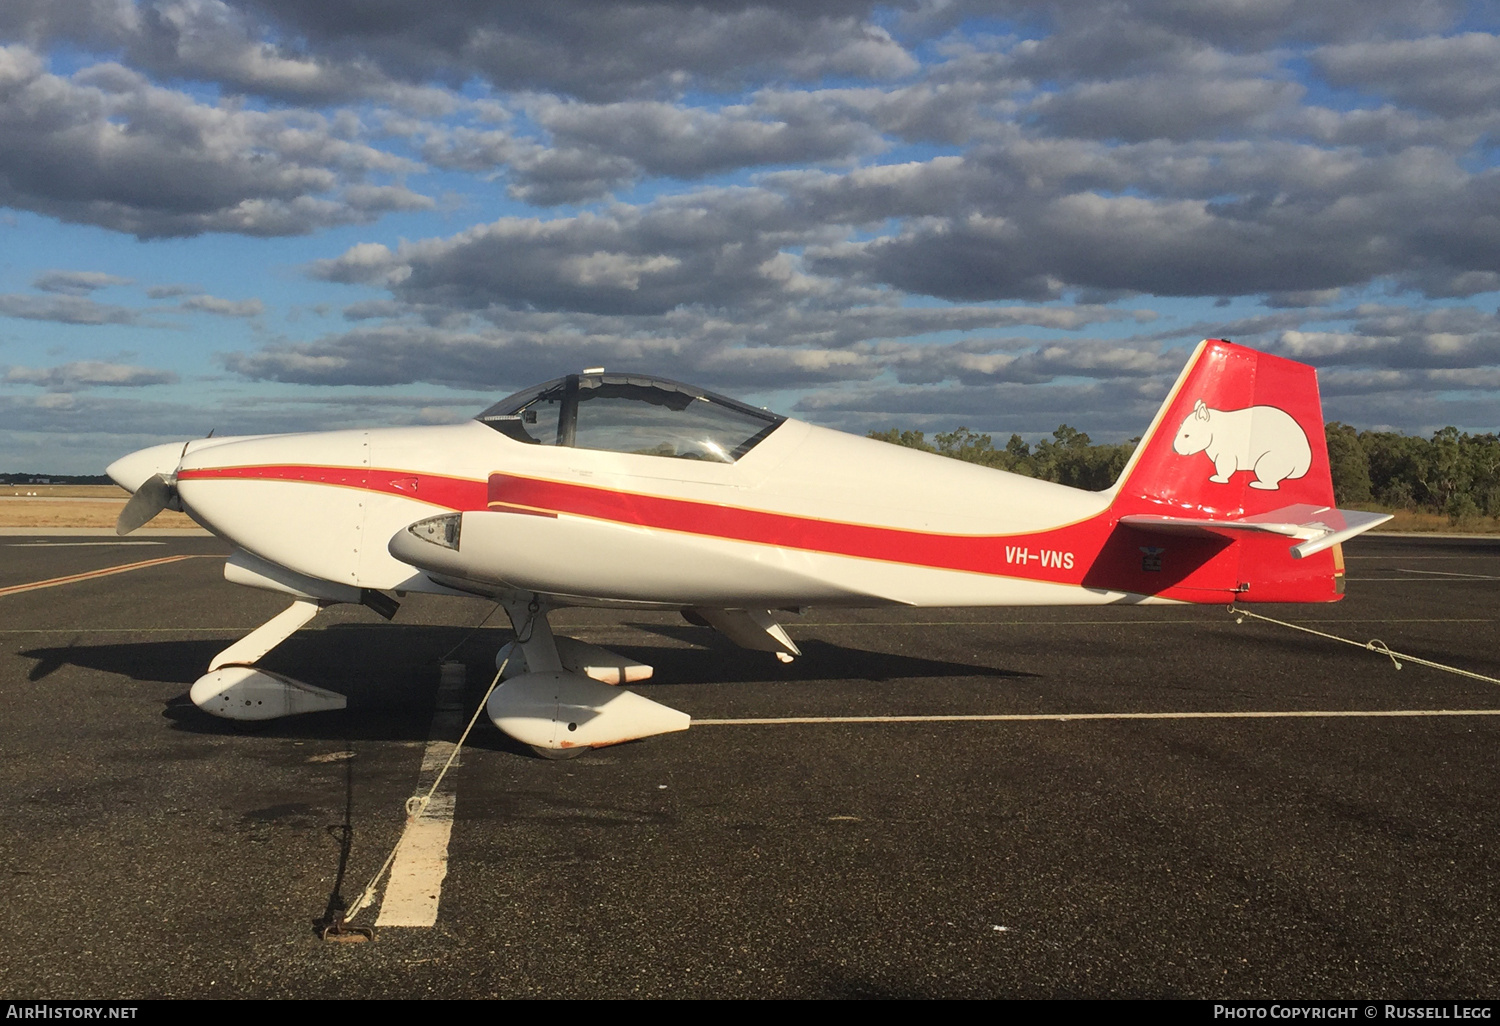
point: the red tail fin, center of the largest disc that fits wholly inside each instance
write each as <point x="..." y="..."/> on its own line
<point x="1240" y="434"/>
<point x="1229" y="493"/>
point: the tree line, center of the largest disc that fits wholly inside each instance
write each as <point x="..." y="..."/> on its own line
<point x="1454" y="474"/>
<point x="69" y="479"/>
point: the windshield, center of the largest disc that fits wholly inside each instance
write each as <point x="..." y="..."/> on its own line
<point x="634" y="414"/>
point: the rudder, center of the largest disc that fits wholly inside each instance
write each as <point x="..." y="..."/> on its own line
<point x="1231" y="489"/>
<point x="1241" y="433"/>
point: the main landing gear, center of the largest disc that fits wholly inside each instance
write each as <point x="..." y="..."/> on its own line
<point x="236" y="689"/>
<point x="559" y="695"/>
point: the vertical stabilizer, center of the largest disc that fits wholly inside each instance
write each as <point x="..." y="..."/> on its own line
<point x="1240" y="434"/>
<point x="1229" y="494"/>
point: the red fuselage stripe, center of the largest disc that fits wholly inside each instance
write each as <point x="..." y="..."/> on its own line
<point x="458" y="493"/>
<point x="1091" y="553"/>
<point x="974" y="553"/>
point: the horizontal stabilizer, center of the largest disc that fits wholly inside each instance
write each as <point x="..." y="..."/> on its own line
<point x="1315" y="527"/>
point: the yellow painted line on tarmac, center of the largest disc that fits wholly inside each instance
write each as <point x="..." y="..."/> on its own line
<point x="16" y="589"/>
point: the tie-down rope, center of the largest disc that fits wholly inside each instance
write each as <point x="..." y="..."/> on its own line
<point x="1373" y="645"/>
<point x="416" y="805"/>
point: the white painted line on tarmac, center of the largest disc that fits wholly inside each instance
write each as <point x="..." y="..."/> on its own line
<point x="1408" y="557"/>
<point x="645" y="628"/>
<point x="617" y="632"/>
<point x="1134" y="623"/>
<point x="1450" y="573"/>
<point x="416" y="882"/>
<point x="415" y="885"/>
<point x="1416" y="580"/>
<point x="1290" y="714"/>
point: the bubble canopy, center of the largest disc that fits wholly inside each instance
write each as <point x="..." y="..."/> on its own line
<point x="632" y="413"/>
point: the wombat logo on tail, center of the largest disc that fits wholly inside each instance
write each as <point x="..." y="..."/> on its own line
<point x="1262" y="439"/>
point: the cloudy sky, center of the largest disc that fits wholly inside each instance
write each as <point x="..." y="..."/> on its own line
<point x="276" y="215"/>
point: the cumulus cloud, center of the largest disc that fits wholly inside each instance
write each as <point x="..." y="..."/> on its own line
<point x="345" y="48"/>
<point x="711" y="249"/>
<point x="81" y="433"/>
<point x="93" y="23"/>
<point x="681" y="142"/>
<point x="598" y="49"/>
<point x="586" y="150"/>
<point x="172" y="291"/>
<point x="71" y="377"/>
<point x="76" y="283"/>
<point x="1163" y="106"/>
<point x="105" y="147"/>
<point x="1418" y="218"/>
<point x="224" y="307"/>
<point x="65" y="309"/>
<point x="885" y="208"/>
<point x="1024" y="361"/>
<point x="1107" y="410"/>
<point x="1446" y="74"/>
<point x="1397" y="338"/>
<point x="794" y="347"/>
<point x="212" y="40"/>
<point x="1141" y="29"/>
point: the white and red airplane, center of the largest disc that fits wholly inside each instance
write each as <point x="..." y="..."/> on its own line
<point x="623" y="490"/>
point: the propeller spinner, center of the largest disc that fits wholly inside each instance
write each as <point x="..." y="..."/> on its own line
<point x="151" y="475"/>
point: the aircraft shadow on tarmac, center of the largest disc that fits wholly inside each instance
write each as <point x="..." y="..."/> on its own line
<point x="389" y="674"/>
<point x="716" y="660"/>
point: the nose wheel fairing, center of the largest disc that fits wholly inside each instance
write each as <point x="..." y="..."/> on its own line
<point x="559" y="710"/>
<point x="557" y="704"/>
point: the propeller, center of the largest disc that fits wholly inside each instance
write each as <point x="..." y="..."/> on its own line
<point x="155" y="494"/>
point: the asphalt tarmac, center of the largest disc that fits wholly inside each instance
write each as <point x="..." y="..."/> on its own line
<point x="149" y="850"/>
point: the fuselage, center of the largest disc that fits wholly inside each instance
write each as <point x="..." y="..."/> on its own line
<point x="616" y="488"/>
<point x="808" y="516"/>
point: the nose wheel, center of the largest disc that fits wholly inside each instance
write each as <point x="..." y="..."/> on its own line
<point x="558" y="706"/>
<point x="557" y="754"/>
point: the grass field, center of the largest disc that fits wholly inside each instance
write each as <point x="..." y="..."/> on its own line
<point x="1406" y="520"/>
<point x="71" y="506"/>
